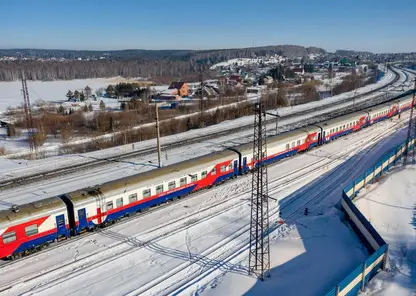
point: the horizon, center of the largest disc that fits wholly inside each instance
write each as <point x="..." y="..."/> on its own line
<point x="372" y="26"/>
<point x="208" y="49"/>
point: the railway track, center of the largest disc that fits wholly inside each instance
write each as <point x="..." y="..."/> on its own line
<point x="92" y="260"/>
<point x="94" y="162"/>
<point x="219" y="257"/>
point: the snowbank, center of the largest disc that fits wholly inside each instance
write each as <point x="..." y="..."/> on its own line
<point x="390" y="206"/>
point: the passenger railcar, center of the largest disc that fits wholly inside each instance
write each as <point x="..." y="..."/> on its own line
<point x="343" y="125"/>
<point x="32" y="226"/>
<point x="111" y="201"/>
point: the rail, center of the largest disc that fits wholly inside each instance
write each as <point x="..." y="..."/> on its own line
<point x="31" y="178"/>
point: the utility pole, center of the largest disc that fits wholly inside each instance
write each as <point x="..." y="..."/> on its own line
<point x="201" y="79"/>
<point x="414" y="142"/>
<point x="28" y="115"/>
<point x="259" y="256"/>
<point x="277" y="120"/>
<point x="409" y="127"/>
<point x="158" y="134"/>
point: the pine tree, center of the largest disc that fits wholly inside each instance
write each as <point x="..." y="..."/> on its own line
<point x="82" y="97"/>
<point x="85" y="108"/>
<point x="110" y="90"/>
<point x="61" y="109"/>
<point x="69" y="95"/>
<point x="87" y="91"/>
<point x="90" y="107"/>
<point x="76" y="95"/>
<point x="102" y="105"/>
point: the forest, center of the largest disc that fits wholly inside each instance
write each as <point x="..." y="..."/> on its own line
<point x="172" y="64"/>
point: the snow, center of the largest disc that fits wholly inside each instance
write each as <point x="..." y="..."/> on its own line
<point x="390" y="206"/>
<point x="48" y="91"/>
<point x="249" y="61"/>
<point x="198" y="246"/>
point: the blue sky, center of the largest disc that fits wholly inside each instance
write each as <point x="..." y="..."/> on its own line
<point x="374" y="25"/>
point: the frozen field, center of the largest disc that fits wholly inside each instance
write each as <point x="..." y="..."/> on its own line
<point x="390" y="206"/>
<point x="51" y="91"/>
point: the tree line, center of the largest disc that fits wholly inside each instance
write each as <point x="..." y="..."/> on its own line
<point x="54" y="70"/>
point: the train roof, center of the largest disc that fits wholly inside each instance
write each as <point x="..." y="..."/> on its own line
<point x="342" y="119"/>
<point x="157" y="175"/>
<point x="377" y="108"/>
<point x="32" y="209"/>
<point x="283" y="137"/>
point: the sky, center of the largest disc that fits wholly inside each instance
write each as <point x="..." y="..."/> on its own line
<point x="369" y="25"/>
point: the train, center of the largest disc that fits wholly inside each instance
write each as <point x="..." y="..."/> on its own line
<point x="27" y="228"/>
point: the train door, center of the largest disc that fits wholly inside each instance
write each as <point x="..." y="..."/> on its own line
<point x="235" y="167"/>
<point x="82" y="219"/>
<point x="245" y="164"/>
<point x="60" y="225"/>
<point x="319" y="139"/>
<point x="323" y="137"/>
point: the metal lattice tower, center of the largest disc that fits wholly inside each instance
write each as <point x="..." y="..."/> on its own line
<point x="28" y="115"/>
<point x="412" y="121"/>
<point x="259" y="256"/>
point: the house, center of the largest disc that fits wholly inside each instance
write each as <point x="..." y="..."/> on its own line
<point x="268" y="79"/>
<point x="235" y="80"/>
<point x="209" y="91"/>
<point x="170" y="94"/>
<point x="181" y="88"/>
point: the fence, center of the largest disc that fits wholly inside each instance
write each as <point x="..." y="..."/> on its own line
<point x="375" y="244"/>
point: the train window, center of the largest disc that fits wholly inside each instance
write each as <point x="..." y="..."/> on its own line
<point x="31" y="230"/>
<point x="171" y="185"/>
<point x="298" y="143"/>
<point x="9" y="237"/>
<point x="132" y="198"/>
<point x="182" y="181"/>
<point x="110" y="205"/>
<point x="194" y="178"/>
<point x="214" y="171"/>
<point x="230" y="166"/>
<point x="203" y="174"/>
<point x="119" y="202"/>
<point x="343" y="127"/>
<point x="159" y="189"/>
<point x="146" y="193"/>
<point x="287" y="146"/>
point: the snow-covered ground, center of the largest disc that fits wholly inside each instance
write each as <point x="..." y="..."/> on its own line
<point x="198" y="246"/>
<point x="48" y="91"/>
<point x="249" y="61"/>
<point x="390" y="206"/>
